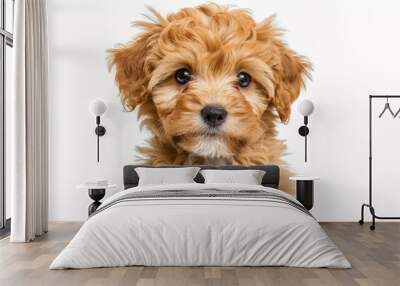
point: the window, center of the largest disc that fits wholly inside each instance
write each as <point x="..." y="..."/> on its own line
<point x="6" y="44"/>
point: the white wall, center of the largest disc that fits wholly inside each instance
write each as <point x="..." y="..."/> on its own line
<point x="354" y="46"/>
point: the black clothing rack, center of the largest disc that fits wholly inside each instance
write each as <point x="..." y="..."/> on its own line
<point x="370" y="205"/>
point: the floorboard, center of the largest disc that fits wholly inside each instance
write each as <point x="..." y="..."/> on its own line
<point x="375" y="257"/>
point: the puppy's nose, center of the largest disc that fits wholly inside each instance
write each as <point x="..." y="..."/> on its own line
<point x="213" y="115"/>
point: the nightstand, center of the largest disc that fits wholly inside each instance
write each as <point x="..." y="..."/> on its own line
<point x="96" y="193"/>
<point x="305" y="190"/>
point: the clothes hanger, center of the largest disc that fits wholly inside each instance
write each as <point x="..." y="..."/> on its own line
<point x="387" y="107"/>
<point x="397" y="113"/>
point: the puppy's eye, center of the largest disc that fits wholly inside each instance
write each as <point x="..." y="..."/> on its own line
<point x="244" y="79"/>
<point x="183" y="76"/>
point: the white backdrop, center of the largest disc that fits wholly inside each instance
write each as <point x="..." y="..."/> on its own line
<point x="353" y="45"/>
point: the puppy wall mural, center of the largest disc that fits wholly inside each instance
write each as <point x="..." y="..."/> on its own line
<point x="210" y="84"/>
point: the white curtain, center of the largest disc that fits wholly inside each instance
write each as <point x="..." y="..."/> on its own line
<point x="28" y="116"/>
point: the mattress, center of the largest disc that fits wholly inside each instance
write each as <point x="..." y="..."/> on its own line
<point x="201" y="225"/>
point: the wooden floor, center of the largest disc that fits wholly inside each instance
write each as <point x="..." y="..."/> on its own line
<point x="375" y="257"/>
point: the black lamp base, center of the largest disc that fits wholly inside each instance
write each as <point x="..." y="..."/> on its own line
<point x="304" y="131"/>
<point x="100" y="130"/>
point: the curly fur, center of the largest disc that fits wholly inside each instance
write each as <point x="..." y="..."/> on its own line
<point x="215" y="43"/>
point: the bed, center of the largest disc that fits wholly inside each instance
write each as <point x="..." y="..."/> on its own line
<point x="199" y="224"/>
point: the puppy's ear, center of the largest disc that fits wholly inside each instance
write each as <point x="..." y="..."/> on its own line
<point x="289" y="68"/>
<point x="289" y="75"/>
<point x="130" y="70"/>
<point x="132" y="67"/>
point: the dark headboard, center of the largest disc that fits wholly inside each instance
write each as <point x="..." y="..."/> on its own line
<point x="271" y="177"/>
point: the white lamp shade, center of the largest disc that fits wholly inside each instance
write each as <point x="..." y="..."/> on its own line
<point x="97" y="107"/>
<point x="306" y="107"/>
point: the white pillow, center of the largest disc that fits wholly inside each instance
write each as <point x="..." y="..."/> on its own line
<point x="162" y="176"/>
<point x="248" y="177"/>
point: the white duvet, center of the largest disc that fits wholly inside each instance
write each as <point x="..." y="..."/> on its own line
<point x="200" y="231"/>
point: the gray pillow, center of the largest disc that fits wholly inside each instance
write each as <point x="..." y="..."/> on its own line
<point x="163" y="176"/>
<point x="248" y="177"/>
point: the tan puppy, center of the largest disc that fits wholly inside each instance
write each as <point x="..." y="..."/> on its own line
<point x="210" y="84"/>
